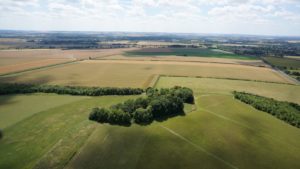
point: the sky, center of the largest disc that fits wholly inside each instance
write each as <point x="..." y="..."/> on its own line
<point x="256" y="17"/>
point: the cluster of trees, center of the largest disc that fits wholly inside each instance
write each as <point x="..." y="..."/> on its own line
<point x="286" y="111"/>
<point x="7" y="88"/>
<point x="157" y="105"/>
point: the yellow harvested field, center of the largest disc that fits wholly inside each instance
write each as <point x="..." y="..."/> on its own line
<point x="124" y="73"/>
<point x="18" y="60"/>
<point x="31" y="64"/>
<point x="58" y="53"/>
<point x="259" y="63"/>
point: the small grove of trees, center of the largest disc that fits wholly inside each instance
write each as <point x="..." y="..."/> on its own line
<point x="157" y="105"/>
<point x="286" y="111"/>
<point x="7" y="88"/>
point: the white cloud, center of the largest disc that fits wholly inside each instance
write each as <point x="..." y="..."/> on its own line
<point x="140" y="15"/>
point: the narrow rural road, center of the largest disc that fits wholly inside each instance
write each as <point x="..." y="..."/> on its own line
<point x="287" y="76"/>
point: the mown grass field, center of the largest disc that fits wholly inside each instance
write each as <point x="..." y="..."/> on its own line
<point x="282" y="92"/>
<point x="221" y="133"/>
<point x="198" y="52"/>
<point x="124" y="73"/>
<point x="15" y="108"/>
<point x="49" y="138"/>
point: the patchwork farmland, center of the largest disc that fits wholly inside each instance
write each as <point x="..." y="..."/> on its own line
<point x="47" y="130"/>
<point x="118" y="73"/>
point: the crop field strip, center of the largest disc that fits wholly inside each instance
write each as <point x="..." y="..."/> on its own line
<point x="19" y="60"/>
<point x="28" y="70"/>
<point x="10" y="69"/>
<point x="138" y="73"/>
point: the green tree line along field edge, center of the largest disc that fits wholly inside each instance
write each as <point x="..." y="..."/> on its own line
<point x="286" y="111"/>
<point x="14" y="88"/>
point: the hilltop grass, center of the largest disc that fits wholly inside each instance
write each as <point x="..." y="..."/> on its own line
<point x="197" y="52"/>
<point x="46" y="139"/>
<point x="282" y="92"/>
<point x="15" y="108"/>
<point x="219" y="134"/>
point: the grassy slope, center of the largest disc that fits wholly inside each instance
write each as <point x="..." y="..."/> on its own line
<point x="15" y="108"/>
<point x="191" y="52"/>
<point x="46" y="139"/>
<point x="207" y="85"/>
<point x="221" y="133"/>
<point x="228" y="135"/>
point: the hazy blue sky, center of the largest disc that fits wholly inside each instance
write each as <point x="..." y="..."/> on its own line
<point x="268" y="17"/>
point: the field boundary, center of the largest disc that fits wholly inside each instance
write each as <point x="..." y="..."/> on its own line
<point x="154" y="81"/>
<point x="280" y="71"/>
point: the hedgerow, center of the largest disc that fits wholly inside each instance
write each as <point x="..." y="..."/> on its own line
<point x="286" y="111"/>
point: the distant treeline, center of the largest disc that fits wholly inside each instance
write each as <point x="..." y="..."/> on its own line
<point x="157" y="105"/>
<point x="286" y="111"/>
<point x="284" y="49"/>
<point x="8" y="88"/>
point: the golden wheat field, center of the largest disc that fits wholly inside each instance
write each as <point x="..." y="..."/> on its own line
<point x="124" y="73"/>
<point x="18" y="60"/>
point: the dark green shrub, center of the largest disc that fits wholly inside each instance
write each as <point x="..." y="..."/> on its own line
<point x="143" y="116"/>
<point x="99" y="114"/>
<point x="117" y="116"/>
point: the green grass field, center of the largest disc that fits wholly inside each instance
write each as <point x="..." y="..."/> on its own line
<point x="221" y="133"/>
<point x="282" y="92"/>
<point x="15" y="108"/>
<point x="198" y="52"/>
<point x="283" y="62"/>
<point x="46" y="139"/>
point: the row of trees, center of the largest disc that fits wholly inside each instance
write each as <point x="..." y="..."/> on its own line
<point x="157" y="105"/>
<point x="286" y="111"/>
<point x="1" y="134"/>
<point x="7" y="88"/>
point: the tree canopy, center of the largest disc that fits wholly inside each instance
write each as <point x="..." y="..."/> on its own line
<point x="286" y="111"/>
<point x="13" y="88"/>
<point x="157" y="105"/>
